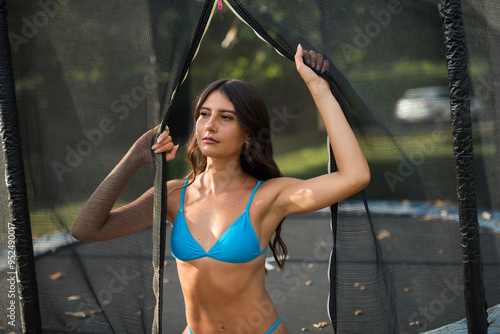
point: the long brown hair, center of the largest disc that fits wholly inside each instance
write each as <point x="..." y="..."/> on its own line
<point x="256" y="157"/>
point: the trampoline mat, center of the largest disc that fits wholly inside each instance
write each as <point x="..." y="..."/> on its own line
<point x="420" y="262"/>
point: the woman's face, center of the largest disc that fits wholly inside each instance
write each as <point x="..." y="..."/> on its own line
<point x="218" y="131"/>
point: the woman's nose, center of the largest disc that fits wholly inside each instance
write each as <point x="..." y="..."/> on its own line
<point x="210" y="124"/>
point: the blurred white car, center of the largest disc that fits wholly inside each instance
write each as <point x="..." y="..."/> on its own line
<point x="429" y="104"/>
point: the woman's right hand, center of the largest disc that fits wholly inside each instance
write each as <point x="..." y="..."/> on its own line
<point x="144" y="147"/>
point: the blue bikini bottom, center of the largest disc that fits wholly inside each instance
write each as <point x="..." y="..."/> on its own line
<point x="268" y="332"/>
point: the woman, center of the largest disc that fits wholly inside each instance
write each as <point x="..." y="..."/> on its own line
<point x="223" y="215"/>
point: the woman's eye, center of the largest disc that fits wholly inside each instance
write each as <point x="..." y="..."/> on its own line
<point x="203" y="114"/>
<point x="227" y="117"/>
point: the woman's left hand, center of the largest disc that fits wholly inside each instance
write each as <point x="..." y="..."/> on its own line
<point x="313" y="59"/>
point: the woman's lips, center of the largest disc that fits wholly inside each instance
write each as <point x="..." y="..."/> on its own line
<point x="209" y="140"/>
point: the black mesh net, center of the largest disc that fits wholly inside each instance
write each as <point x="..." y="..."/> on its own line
<point x="92" y="76"/>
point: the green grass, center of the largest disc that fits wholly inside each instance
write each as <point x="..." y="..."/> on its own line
<point x="303" y="161"/>
<point x="432" y="157"/>
<point x="306" y="161"/>
<point x="46" y="220"/>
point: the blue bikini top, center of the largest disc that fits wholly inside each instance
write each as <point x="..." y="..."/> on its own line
<point x="237" y="244"/>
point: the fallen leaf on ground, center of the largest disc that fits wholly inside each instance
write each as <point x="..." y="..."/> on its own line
<point x="321" y="324"/>
<point x="56" y="276"/>
<point x="383" y="234"/>
<point x="76" y="314"/>
<point x="414" y="324"/>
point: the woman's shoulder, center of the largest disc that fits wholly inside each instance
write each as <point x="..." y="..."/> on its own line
<point x="174" y="187"/>
<point x="172" y="184"/>
<point x="271" y="188"/>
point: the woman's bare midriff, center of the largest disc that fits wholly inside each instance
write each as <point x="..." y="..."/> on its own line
<point x="226" y="297"/>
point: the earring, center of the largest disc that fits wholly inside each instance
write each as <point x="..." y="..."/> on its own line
<point x="247" y="142"/>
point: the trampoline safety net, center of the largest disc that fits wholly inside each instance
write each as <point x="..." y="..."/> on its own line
<point x="92" y="76"/>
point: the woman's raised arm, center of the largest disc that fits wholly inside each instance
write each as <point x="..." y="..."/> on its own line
<point x="296" y="196"/>
<point x="97" y="221"/>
